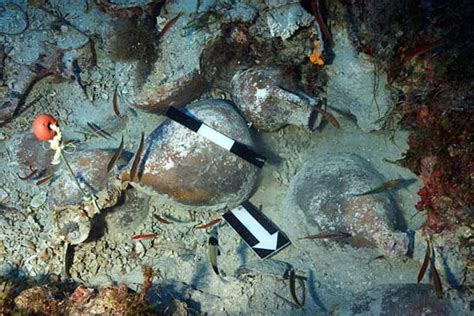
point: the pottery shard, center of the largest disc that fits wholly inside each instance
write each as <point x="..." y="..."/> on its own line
<point x="269" y="99"/>
<point x="191" y="169"/>
<point x="325" y="188"/>
<point x="31" y="154"/>
<point x="90" y="168"/>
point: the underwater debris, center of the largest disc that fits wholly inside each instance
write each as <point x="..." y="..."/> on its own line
<point x="270" y="99"/>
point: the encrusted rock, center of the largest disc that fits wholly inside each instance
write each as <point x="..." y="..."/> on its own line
<point x="325" y="188"/>
<point x="283" y="21"/>
<point x="191" y="169"/>
<point x="175" y="79"/>
<point x="269" y="99"/>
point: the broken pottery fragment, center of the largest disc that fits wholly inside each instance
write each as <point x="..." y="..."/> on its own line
<point x="125" y="218"/>
<point x="269" y="99"/>
<point x="400" y="299"/>
<point x="191" y="169"/>
<point x="72" y="209"/>
<point x="324" y="190"/>
<point x="31" y="154"/>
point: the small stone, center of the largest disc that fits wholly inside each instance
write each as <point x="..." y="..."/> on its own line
<point x="140" y="249"/>
<point x="39" y="199"/>
<point x="3" y="195"/>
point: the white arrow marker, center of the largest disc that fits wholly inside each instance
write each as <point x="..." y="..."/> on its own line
<point x="266" y="240"/>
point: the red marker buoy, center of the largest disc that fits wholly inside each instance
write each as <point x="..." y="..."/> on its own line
<point x="42" y="129"/>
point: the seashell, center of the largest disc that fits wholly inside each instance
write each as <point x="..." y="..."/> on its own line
<point x="191" y="169"/>
<point x="269" y="99"/>
<point x="39" y="199"/>
<point x="323" y="190"/>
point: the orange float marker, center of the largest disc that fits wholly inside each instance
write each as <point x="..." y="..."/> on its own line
<point x="42" y="129"/>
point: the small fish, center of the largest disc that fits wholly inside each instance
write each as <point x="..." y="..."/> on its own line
<point x="77" y="74"/>
<point x="385" y="186"/>
<point x="98" y="130"/>
<point x="424" y="266"/>
<point x="213" y="251"/>
<point x="136" y="162"/>
<point x="211" y="223"/>
<point x="115" y="102"/>
<point x="161" y="219"/>
<point x="328" y="117"/>
<point x="292" y="284"/>
<point x="44" y="180"/>
<point x="317" y="15"/>
<point x="422" y="49"/>
<point x="29" y="176"/>
<point x="144" y="236"/>
<point x="377" y="258"/>
<point x="116" y="156"/>
<point x="335" y="235"/>
<point x="437" y="282"/>
<point x="168" y="25"/>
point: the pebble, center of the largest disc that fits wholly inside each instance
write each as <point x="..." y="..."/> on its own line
<point x="140" y="249"/>
<point x="3" y="136"/>
<point x="38" y="200"/>
<point x="3" y="195"/>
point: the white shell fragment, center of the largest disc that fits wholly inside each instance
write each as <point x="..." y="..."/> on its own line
<point x="39" y="199"/>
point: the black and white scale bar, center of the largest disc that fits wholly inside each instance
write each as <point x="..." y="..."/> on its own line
<point x="257" y="230"/>
<point x="239" y="149"/>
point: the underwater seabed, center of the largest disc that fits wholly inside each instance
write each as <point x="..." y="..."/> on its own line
<point x="145" y="227"/>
